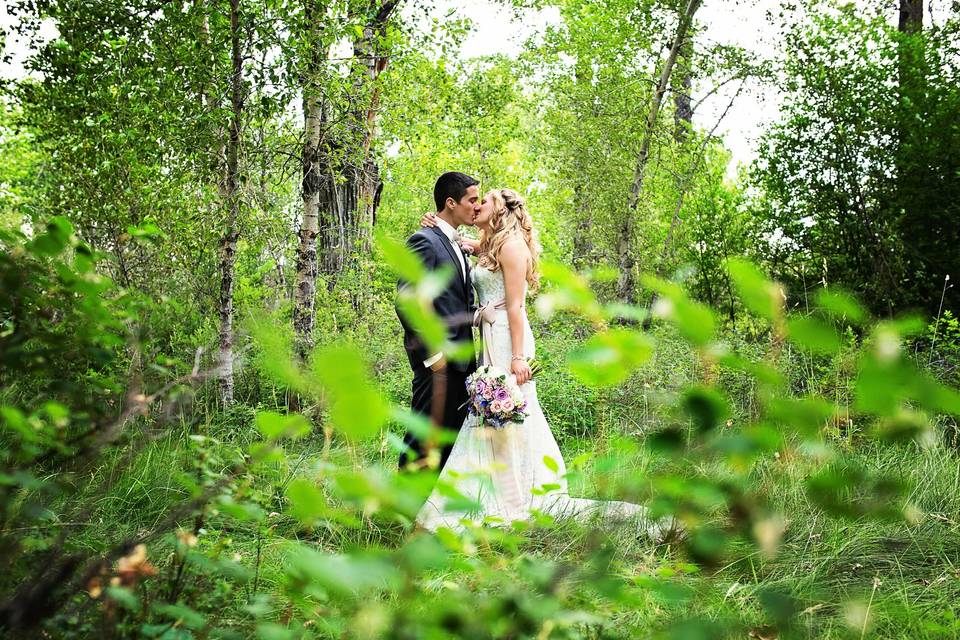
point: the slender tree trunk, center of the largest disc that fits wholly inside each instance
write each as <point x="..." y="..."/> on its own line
<point x="911" y="16"/>
<point x="231" y="190"/>
<point x="336" y="203"/>
<point x="626" y="285"/>
<point x="910" y="79"/>
<point x="375" y="62"/>
<point x="682" y="103"/>
<point x="351" y="183"/>
<point x="305" y="288"/>
<point x="909" y="63"/>
<point x="583" y="217"/>
<point x="909" y="70"/>
<point x="684" y="185"/>
<point x="582" y="242"/>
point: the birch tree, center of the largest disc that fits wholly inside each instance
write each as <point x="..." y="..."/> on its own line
<point x="340" y="176"/>
<point x="305" y="284"/>
<point x="626" y="288"/>
<point x="231" y="202"/>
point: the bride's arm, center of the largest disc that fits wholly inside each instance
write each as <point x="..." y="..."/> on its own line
<point x="513" y="260"/>
<point x="469" y="245"/>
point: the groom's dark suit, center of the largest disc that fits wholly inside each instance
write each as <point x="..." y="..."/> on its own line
<point x="455" y="306"/>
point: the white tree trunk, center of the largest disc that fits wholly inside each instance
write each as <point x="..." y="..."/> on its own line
<point x="231" y="193"/>
<point x="625" y="284"/>
<point x="305" y="291"/>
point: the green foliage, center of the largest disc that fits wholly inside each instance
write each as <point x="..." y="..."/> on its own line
<point x="852" y="193"/>
<point x="794" y="431"/>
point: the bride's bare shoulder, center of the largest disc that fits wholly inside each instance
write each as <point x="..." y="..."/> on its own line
<point x="514" y="250"/>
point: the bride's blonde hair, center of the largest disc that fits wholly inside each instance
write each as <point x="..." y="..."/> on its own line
<point x="509" y="220"/>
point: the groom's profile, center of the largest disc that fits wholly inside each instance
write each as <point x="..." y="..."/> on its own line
<point x="439" y="382"/>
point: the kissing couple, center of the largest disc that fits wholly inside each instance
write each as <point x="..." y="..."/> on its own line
<point x="494" y="475"/>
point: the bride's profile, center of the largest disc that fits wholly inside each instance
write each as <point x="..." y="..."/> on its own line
<point x="508" y="473"/>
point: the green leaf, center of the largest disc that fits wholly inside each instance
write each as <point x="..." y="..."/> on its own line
<point x="423" y="320"/>
<point x="903" y="427"/>
<point x="813" y="335"/>
<point x="762" y="371"/>
<point x="706" y="407"/>
<point x="879" y="387"/>
<point x="459" y="351"/>
<point x="356" y="407"/>
<point x="741" y="448"/>
<point x="145" y="231"/>
<point x="307" y="502"/>
<point x="242" y="511"/>
<point x="669" y="441"/>
<point x="848" y="490"/>
<point x="124" y="597"/>
<point x="610" y="357"/>
<point x="759" y="295"/>
<point x="580" y="460"/>
<point x="275" y="353"/>
<point x="182" y="614"/>
<point x="841" y="305"/>
<point x="694" y="320"/>
<point x="424" y="553"/>
<point x="568" y="291"/>
<point x="551" y="464"/>
<point x="707" y="545"/>
<point x="618" y="311"/>
<point x="272" y="631"/>
<point x="807" y="415"/>
<point x="343" y="575"/>
<point x="404" y="263"/>
<point x="276" y="426"/>
<point x="56" y="237"/>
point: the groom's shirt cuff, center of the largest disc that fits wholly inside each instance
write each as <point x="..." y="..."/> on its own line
<point x="429" y="362"/>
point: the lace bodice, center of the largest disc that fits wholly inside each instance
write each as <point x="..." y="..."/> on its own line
<point x="498" y="345"/>
<point x="489" y="285"/>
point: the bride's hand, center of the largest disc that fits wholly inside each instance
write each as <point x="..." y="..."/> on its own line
<point x="429" y="219"/>
<point x="469" y="245"/>
<point x="521" y="371"/>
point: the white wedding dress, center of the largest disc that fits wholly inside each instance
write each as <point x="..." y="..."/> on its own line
<point x="503" y="472"/>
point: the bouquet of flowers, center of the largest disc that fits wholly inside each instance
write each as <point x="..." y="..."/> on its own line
<point x="495" y="398"/>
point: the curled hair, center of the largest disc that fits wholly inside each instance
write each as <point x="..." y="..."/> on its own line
<point x="509" y="220"/>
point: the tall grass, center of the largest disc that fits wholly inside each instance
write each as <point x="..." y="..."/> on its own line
<point x="844" y="578"/>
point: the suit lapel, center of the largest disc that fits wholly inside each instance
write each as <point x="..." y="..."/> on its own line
<point x="453" y="254"/>
<point x="467" y="285"/>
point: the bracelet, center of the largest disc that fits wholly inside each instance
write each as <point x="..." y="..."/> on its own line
<point x="524" y="358"/>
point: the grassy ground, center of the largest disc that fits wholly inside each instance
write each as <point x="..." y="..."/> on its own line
<point x="834" y="578"/>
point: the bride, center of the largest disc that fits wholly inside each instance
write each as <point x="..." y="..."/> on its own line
<point x="504" y="474"/>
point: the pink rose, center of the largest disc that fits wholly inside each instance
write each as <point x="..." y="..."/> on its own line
<point x="507" y="405"/>
<point x="496" y="407"/>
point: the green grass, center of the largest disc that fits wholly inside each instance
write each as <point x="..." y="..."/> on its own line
<point x="843" y="578"/>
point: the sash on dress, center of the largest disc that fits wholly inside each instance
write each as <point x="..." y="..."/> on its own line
<point x="503" y="442"/>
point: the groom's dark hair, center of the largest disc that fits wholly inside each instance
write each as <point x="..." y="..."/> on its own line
<point x="452" y="184"/>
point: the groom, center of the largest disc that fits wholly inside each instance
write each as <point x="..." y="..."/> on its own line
<point x="439" y="384"/>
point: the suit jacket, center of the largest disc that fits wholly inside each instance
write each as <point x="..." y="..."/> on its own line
<point x="454" y="305"/>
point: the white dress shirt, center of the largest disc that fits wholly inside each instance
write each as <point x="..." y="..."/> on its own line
<point x="450" y="234"/>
